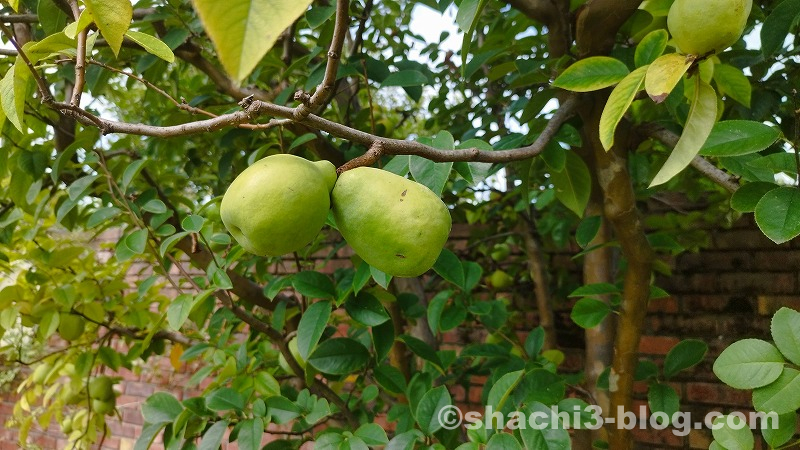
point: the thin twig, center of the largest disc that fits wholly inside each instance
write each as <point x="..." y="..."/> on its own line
<point x="670" y="139"/>
<point x="80" y="60"/>
<point x="325" y="89"/>
<point x="40" y="83"/>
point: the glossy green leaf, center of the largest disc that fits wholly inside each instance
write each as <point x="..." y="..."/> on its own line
<point x="589" y="312"/>
<point x="503" y="441"/>
<point x="339" y="356"/>
<point x="312" y="325"/>
<point x="732" y="433"/>
<point x="431" y="174"/>
<point x="778" y="214"/>
<point x="587" y="230"/>
<point x="618" y="103"/>
<point x="777" y="25"/>
<point x="421" y="349"/>
<point x="739" y="137"/>
<point x="732" y="83"/>
<point x="179" y="309"/>
<point x="785" y="328"/>
<point x="780" y="433"/>
<point x="592" y="74"/>
<point x="663" y="399"/>
<point x="113" y="17"/>
<point x="244" y="30"/>
<point x="467" y="18"/>
<point x="161" y="407"/>
<point x="251" y="432"/>
<point x="224" y="399"/>
<point x="651" y="47"/>
<point x="366" y="309"/>
<point x="573" y="185"/>
<point x="749" y="364"/>
<point x="664" y="73"/>
<point x="782" y="396"/>
<point x="449" y="267"/>
<point x="702" y="115"/>
<point x="685" y="354"/>
<point x="313" y="284"/>
<point x="213" y="436"/>
<point x="372" y="434"/>
<point x="429" y="409"/>
<point x="152" y="45"/>
<point x="748" y="195"/>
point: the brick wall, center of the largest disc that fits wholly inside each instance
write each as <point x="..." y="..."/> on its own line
<point x="724" y="293"/>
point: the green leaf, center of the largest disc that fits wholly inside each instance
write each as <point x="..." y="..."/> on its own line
<point x="702" y="115"/>
<point x="314" y="285"/>
<point x="421" y="349"/>
<point x="431" y="174"/>
<point x="592" y="74"/>
<point x="366" y="309"/>
<point x="573" y="184"/>
<point x="429" y="410"/>
<point x="339" y="356"/>
<point x="782" y="396"/>
<point x="749" y="364"/>
<point x="778" y="214"/>
<point x="449" y="267"/>
<point x="467" y="18"/>
<point x="748" y="195"/>
<point x="785" y="330"/>
<point x="131" y="172"/>
<point x="390" y="378"/>
<point x="664" y="73"/>
<point x="152" y="45"/>
<point x="224" y="399"/>
<point x="739" y="137"/>
<point x="77" y="189"/>
<point x="685" y="354"/>
<point x="244" y="30"/>
<point x="732" y="433"/>
<point x="155" y="206"/>
<point x="300" y="140"/>
<point x="587" y="230"/>
<point x="161" y="407"/>
<point x="733" y="83"/>
<point x="503" y="441"/>
<point x="193" y="223"/>
<point x="113" y="17"/>
<point x="777" y="25"/>
<point x="595" y="289"/>
<point x="618" y="102"/>
<point x="502" y="389"/>
<point x="170" y="242"/>
<point x="650" y="47"/>
<point x="405" y="78"/>
<point x="372" y="434"/>
<point x="383" y="339"/>
<point x="312" y="325"/>
<point x="212" y="438"/>
<point x="179" y="309"/>
<point x="778" y="434"/>
<point x="14" y="91"/>
<point x="435" y="307"/>
<point x="250" y="433"/>
<point x="589" y="312"/>
<point x="137" y="241"/>
<point x="148" y="435"/>
<point x="663" y="399"/>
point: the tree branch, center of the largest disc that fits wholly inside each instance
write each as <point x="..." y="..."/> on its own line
<point x="80" y="60"/>
<point x="325" y="89"/>
<point x="711" y="171"/>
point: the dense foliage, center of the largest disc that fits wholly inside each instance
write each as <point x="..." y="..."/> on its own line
<point x="546" y="129"/>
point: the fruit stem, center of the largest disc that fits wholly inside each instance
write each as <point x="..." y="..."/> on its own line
<point x="367" y="159"/>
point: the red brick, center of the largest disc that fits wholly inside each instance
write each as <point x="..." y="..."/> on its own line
<point x="657" y="345"/>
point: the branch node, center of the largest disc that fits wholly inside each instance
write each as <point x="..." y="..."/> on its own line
<point x="245" y="103"/>
<point x="333" y="55"/>
<point x="302" y="97"/>
<point x="367" y="159"/>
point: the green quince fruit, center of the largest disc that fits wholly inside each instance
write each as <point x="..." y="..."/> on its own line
<point x="105" y="408"/>
<point x="279" y="204"/>
<point x="71" y="327"/>
<point x="703" y="26"/>
<point x="394" y="224"/>
<point x="500" y="279"/>
<point x="101" y="388"/>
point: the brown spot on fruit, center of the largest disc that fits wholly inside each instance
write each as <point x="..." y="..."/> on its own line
<point x="403" y="194"/>
<point x="400" y="255"/>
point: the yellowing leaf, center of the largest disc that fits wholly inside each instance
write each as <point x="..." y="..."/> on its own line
<point x="664" y="73"/>
<point x="113" y="17"/>
<point x="244" y="30"/>
<point x="702" y="115"/>
<point x="153" y="45"/>
<point x="175" y="356"/>
<point x="618" y="102"/>
<point x="13" y="91"/>
<point x="591" y="74"/>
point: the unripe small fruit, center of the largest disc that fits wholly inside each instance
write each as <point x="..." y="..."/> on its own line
<point x="703" y="26"/>
<point x="500" y="279"/>
<point x="101" y="388"/>
<point x="71" y="327"/>
<point x="105" y="408"/>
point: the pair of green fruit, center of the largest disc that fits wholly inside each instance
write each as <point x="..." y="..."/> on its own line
<point x="279" y="204"/>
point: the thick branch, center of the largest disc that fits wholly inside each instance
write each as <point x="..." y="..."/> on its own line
<point x="598" y="22"/>
<point x="390" y="146"/>
<point x="711" y="171"/>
